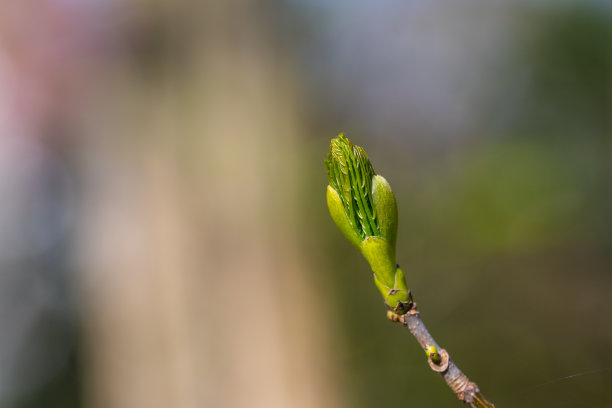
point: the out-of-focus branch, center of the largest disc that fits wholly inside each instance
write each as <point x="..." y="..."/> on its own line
<point x="439" y="360"/>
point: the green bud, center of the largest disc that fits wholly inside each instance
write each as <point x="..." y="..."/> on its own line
<point x="386" y="209"/>
<point x="338" y="214"/>
<point x="363" y="207"/>
<point x="432" y="353"/>
<point x="350" y="175"/>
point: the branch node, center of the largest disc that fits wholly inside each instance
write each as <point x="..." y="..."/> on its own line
<point x="443" y="366"/>
<point x="465" y="389"/>
<point x="394" y="317"/>
<point x="413" y="309"/>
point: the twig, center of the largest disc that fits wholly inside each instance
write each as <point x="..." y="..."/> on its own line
<point x="439" y="360"/>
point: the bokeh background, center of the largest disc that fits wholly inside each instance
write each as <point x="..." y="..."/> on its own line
<point x="164" y="239"/>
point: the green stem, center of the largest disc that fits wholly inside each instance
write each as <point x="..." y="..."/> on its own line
<point x="481" y="402"/>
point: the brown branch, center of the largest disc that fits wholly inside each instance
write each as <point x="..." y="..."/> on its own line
<point x="466" y="390"/>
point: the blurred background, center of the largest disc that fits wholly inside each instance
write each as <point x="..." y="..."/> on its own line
<point x="164" y="238"/>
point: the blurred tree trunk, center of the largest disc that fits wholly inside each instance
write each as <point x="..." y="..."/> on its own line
<point x="195" y="292"/>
